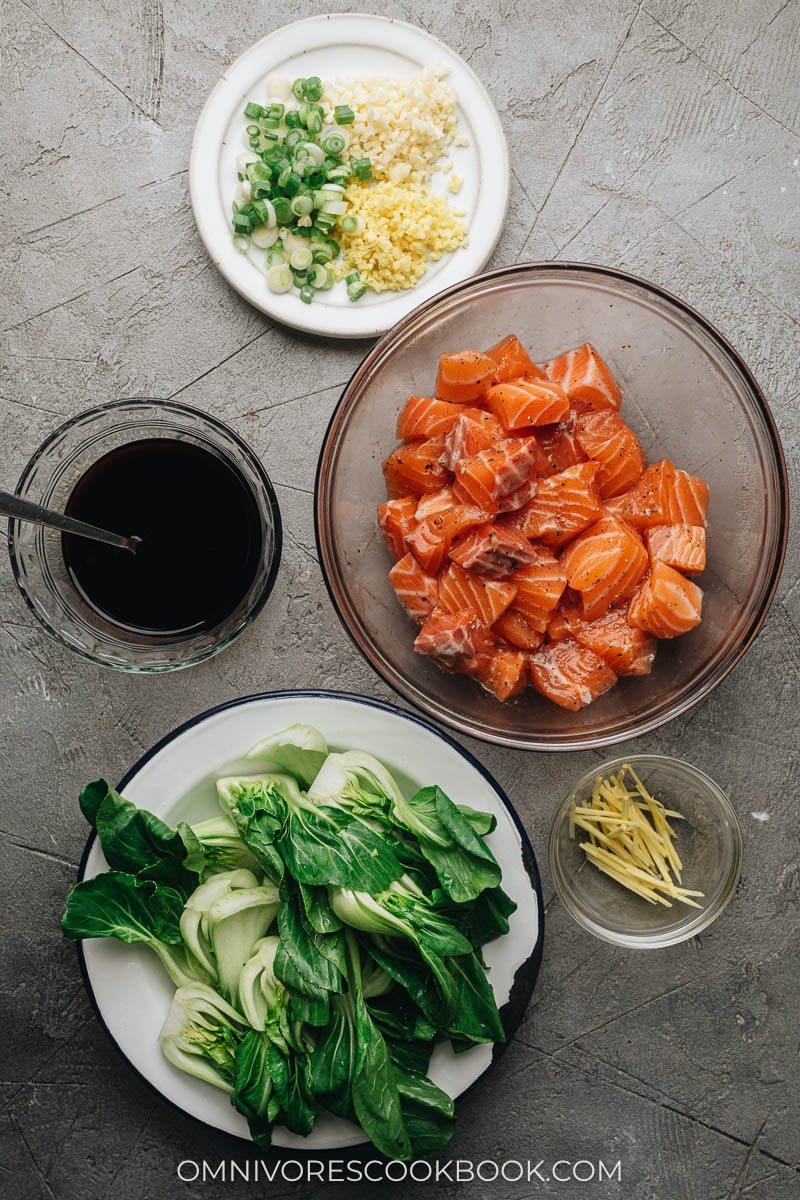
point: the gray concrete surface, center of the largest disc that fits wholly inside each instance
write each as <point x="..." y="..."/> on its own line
<point x="662" y="136"/>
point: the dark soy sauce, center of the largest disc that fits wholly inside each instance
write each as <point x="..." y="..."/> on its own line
<point x="201" y="532"/>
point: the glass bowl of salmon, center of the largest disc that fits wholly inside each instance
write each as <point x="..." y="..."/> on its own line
<point x="551" y="507"/>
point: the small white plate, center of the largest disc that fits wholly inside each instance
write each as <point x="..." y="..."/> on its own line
<point x="344" y="45"/>
<point x="130" y="990"/>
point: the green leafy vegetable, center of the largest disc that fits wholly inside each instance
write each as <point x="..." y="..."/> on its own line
<point x="134" y="911"/>
<point x="253" y="1092"/>
<point x="463" y="862"/>
<point x="299" y="750"/>
<point x="201" y="1034"/>
<point x="224" y="850"/>
<point x="323" y="933"/>
<point x="137" y="842"/>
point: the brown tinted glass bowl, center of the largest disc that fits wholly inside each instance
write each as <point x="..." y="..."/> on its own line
<point x="688" y="396"/>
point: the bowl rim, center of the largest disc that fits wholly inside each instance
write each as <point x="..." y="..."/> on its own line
<point x="636" y="727"/>
<point x="130" y="403"/>
<point x="529" y="970"/>
<point x="698" y="920"/>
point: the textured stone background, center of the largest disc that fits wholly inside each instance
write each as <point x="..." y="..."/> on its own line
<point x="661" y="136"/>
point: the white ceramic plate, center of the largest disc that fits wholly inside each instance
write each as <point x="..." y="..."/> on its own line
<point x="130" y="990"/>
<point x="333" y="46"/>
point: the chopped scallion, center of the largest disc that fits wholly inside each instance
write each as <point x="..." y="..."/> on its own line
<point x="283" y="211"/>
<point x="301" y="259"/>
<point x="280" y="278"/>
<point x="332" y="142"/>
<point x="361" y="168"/>
<point x="317" y="275"/>
<point x="292" y="189"/>
<point x="302" y="206"/>
<point x="265" y="236"/>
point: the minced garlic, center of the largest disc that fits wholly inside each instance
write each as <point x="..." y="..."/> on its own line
<point x="404" y="121"/>
<point x="401" y="229"/>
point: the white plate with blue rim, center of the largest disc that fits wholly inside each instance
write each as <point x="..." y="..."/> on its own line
<point x="346" y="45"/>
<point x="175" y="780"/>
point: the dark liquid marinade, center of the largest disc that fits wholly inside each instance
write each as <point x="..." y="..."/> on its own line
<point x="201" y="533"/>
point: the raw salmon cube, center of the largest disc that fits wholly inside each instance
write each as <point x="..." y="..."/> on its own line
<point x="649" y="501"/>
<point x="627" y="651"/>
<point x="560" y="448"/>
<point x="682" y="547"/>
<point x="493" y="473"/>
<point x="416" y="591"/>
<point x="606" y="439"/>
<point x="466" y="377"/>
<point x="513" y="627"/>
<point x="665" y="496"/>
<point x="519" y="498"/>
<point x="667" y="603"/>
<point x="570" y="675"/>
<point x="540" y="586"/>
<point x="524" y="402"/>
<point x="564" y="505"/>
<point x="504" y="672"/>
<point x="416" y="467"/>
<point x="435" y="502"/>
<point x="688" y="503"/>
<point x="604" y="564"/>
<point x="493" y="550"/>
<point x="513" y="360"/>
<point x="487" y="598"/>
<point x="426" y="418"/>
<point x="456" y="641"/>
<point x="584" y="376"/>
<point x="397" y="518"/>
<point x="430" y="540"/>
<point x="475" y="430"/>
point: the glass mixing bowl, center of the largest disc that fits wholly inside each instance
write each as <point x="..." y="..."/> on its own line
<point x="38" y="561"/>
<point x="708" y="841"/>
<point x="688" y="396"/>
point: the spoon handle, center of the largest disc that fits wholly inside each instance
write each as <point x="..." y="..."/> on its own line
<point x="24" y="510"/>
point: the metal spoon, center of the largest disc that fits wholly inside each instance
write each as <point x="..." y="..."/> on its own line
<point x="23" y="510"/>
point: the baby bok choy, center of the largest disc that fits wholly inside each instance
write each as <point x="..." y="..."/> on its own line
<point x="324" y="933"/>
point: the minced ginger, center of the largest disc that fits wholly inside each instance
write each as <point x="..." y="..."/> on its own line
<point x="401" y="229"/>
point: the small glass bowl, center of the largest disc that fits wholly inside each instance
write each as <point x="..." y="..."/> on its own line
<point x="36" y="554"/>
<point x="708" y="840"/>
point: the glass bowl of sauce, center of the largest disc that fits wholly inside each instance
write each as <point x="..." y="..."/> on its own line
<point x="205" y="511"/>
